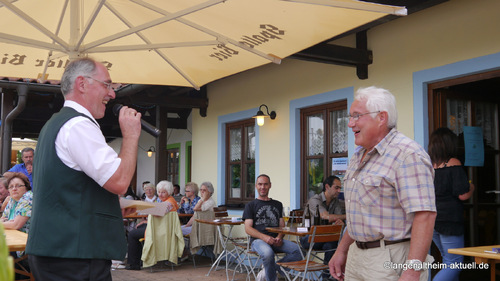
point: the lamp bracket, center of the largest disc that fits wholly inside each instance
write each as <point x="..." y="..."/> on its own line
<point x="272" y="115"/>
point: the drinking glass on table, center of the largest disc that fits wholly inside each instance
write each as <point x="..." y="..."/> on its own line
<point x="286" y="215"/>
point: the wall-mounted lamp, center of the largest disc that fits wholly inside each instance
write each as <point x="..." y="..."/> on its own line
<point x="151" y="150"/>
<point x="260" y="115"/>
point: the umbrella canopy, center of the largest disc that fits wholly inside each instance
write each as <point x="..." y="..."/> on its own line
<point x="169" y="42"/>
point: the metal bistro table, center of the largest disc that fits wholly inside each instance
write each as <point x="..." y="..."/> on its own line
<point x="225" y="240"/>
<point x="16" y="241"/>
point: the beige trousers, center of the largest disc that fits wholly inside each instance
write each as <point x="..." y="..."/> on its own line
<point x="382" y="263"/>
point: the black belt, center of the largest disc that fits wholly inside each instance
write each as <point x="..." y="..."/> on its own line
<point x="376" y="244"/>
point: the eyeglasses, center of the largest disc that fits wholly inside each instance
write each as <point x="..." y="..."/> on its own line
<point x="189" y="191"/>
<point x="17" y="186"/>
<point x="108" y="85"/>
<point x="356" y="116"/>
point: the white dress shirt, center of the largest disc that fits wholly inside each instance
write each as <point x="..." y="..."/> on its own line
<point x="81" y="145"/>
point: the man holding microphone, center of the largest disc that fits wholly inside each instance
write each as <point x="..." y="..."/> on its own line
<point x="77" y="226"/>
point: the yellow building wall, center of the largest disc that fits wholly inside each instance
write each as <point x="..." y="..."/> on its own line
<point x="450" y="32"/>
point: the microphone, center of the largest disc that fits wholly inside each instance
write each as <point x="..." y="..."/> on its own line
<point x="152" y="130"/>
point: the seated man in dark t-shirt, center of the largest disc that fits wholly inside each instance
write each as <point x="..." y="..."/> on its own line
<point x="265" y="212"/>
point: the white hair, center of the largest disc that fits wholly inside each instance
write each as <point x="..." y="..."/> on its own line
<point x="378" y="99"/>
<point x="165" y="185"/>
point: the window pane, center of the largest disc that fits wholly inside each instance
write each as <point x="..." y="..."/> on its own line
<point x="250" y="185"/>
<point x="235" y="144"/>
<point x="250" y="143"/>
<point x="338" y="131"/>
<point x="173" y="165"/>
<point x="457" y="115"/>
<point x="315" y="176"/>
<point x="235" y="180"/>
<point x="486" y="116"/>
<point x="315" y="129"/>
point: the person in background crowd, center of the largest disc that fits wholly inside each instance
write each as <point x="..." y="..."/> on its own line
<point x="130" y="194"/>
<point x="143" y="196"/>
<point x="177" y="193"/>
<point x="452" y="187"/>
<point x="150" y="193"/>
<point x="205" y="203"/>
<point x="389" y="195"/>
<point x="165" y="190"/>
<point x="331" y="209"/>
<point x="177" y="190"/>
<point x="26" y="167"/>
<point x="190" y="199"/>
<point x="265" y="212"/>
<point x="4" y="193"/>
<point x="6" y="176"/>
<point x="17" y="213"/>
<point x="77" y="224"/>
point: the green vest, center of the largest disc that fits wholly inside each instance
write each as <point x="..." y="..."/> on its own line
<point x="73" y="216"/>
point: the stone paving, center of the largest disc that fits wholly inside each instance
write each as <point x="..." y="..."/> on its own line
<point x="184" y="272"/>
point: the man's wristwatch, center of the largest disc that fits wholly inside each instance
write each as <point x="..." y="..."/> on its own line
<point x="415" y="264"/>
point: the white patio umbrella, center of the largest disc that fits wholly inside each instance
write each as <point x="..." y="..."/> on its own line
<point x="168" y="42"/>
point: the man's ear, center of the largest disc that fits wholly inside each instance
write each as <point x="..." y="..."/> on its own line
<point x="80" y="84"/>
<point x="384" y="118"/>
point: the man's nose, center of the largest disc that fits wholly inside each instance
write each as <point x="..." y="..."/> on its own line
<point x="351" y="123"/>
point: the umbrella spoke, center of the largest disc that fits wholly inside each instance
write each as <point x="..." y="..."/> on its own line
<point x="35" y="24"/>
<point x="94" y="15"/>
<point x="152" y="46"/>
<point x="167" y="17"/>
<point x="18" y="40"/>
<point x="362" y="6"/>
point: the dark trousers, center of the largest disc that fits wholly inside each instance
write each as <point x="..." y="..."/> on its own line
<point x="135" y="246"/>
<point x="59" y="269"/>
<point x="304" y="242"/>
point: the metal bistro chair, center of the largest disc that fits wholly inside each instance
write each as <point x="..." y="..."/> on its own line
<point x="220" y="212"/>
<point x="250" y="259"/>
<point x="307" y="267"/>
<point x="317" y="253"/>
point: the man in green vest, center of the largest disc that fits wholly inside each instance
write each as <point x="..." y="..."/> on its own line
<point x="77" y="226"/>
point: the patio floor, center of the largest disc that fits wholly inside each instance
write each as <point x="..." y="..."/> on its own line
<point x="185" y="272"/>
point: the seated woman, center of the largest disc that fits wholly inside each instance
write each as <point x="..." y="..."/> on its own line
<point x="165" y="190"/>
<point x="17" y="213"/>
<point x="150" y="192"/>
<point x="190" y="200"/>
<point x="205" y="203"/>
<point x="4" y="193"/>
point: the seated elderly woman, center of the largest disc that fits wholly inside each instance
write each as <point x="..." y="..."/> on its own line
<point x="205" y="203"/>
<point x="150" y="192"/>
<point x="165" y="190"/>
<point x="189" y="200"/>
<point x="4" y="193"/>
<point x="17" y="213"/>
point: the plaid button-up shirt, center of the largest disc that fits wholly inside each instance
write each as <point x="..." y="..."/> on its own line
<point x="394" y="180"/>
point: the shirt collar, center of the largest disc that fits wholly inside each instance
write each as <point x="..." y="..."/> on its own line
<point x="380" y="147"/>
<point x="79" y="108"/>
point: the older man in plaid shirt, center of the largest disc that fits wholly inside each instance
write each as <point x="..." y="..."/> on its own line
<point x="389" y="193"/>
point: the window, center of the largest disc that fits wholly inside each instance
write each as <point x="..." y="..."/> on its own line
<point x="173" y="165"/>
<point x="323" y="145"/>
<point x="240" y="161"/>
